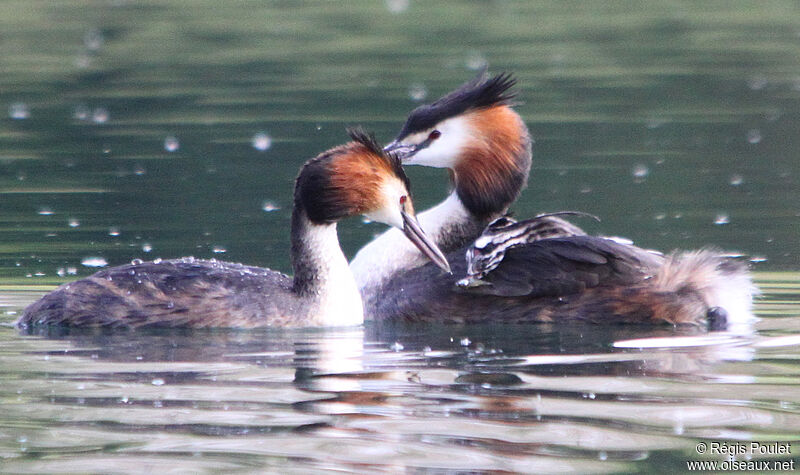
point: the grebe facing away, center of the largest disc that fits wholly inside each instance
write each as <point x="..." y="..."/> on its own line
<point x="517" y="272"/>
<point x="355" y="178"/>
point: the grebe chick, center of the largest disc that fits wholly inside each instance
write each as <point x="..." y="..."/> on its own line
<point x="474" y="132"/>
<point x="502" y="234"/>
<point x="540" y="270"/>
<point x="351" y="179"/>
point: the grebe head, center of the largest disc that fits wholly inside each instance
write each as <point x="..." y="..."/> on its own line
<point x="474" y="132"/>
<point x="361" y="178"/>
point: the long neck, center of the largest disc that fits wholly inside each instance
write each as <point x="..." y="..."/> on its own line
<point x="322" y="278"/>
<point x="449" y="224"/>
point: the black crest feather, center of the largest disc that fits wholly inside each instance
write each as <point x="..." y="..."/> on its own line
<point x="366" y="139"/>
<point x="480" y="92"/>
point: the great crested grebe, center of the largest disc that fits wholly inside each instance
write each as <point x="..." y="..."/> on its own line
<point x="559" y="275"/>
<point x="475" y="133"/>
<point x="351" y="179"/>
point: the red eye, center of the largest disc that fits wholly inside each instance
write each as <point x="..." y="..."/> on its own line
<point x="434" y="135"/>
<point x="403" y="199"/>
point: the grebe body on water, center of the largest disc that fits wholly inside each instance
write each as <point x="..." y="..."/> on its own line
<point x="475" y="134"/>
<point x="546" y="270"/>
<point x="348" y="180"/>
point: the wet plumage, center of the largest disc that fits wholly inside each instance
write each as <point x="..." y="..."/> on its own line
<point x="355" y="178"/>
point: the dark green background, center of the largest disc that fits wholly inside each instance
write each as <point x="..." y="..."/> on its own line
<point x="678" y="87"/>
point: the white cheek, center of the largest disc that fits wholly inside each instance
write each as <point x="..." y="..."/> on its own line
<point x="444" y="151"/>
<point x="389" y="213"/>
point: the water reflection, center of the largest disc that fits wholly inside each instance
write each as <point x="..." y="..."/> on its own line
<point x="389" y="397"/>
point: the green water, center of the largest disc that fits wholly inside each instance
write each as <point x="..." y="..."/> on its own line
<point x="134" y="130"/>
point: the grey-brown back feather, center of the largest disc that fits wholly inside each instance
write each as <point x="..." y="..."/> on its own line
<point x="183" y="292"/>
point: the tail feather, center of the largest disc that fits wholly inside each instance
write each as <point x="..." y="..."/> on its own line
<point x="719" y="281"/>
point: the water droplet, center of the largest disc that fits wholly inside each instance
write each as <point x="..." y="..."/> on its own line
<point x="465" y="341"/>
<point x="83" y="60"/>
<point x="136" y="262"/>
<point x="61" y="272"/>
<point x="171" y="144"/>
<point x="46" y="211"/>
<point x="113" y="232"/>
<point x="757" y="83"/>
<point x="100" y="115"/>
<point x="753" y="136"/>
<point x="397" y="346"/>
<point x="139" y="170"/>
<point x="602" y="455"/>
<point x="93" y="39"/>
<point x="261" y="141"/>
<point x="475" y="60"/>
<point x="269" y="206"/>
<point x="73" y="223"/>
<point x="94" y="262"/>
<point x="80" y="112"/>
<point x="218" y="250"/>
<point x="19" y="111"/>
<point x="654" y="122"/>
<point x="736" y="180"/>
<point x="365" y="220"/>
<point x="397" y="6"/>
<point x="757" y="259"/>
<point x="146" y="247"/>
<point x="157" y="382"/>
<point x="417" y="92"/>
<point x="157" y="260"/>
<point x="640" y="172"/>
<point x="721" y="219"/>
<point x="72" y="270"/>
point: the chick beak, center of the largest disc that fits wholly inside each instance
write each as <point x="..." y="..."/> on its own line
<point x="400" y="150"/>
<point x="415" y="234"/>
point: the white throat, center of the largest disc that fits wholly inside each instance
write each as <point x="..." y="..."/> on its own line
<point x="337" y="300"/>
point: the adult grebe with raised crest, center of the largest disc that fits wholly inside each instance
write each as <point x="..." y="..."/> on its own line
<point x="475" y="133"/>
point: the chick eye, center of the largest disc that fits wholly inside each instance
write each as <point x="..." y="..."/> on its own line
<point x="434" y="135"/>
